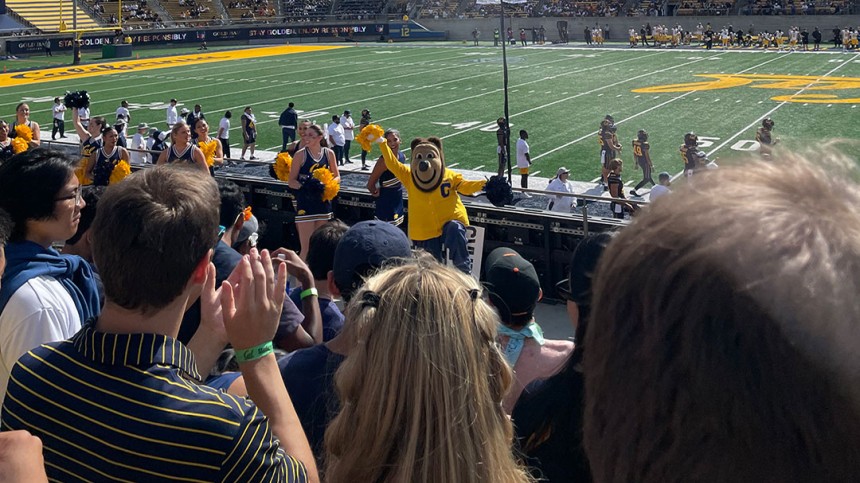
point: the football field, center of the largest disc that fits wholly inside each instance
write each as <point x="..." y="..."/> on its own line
<point x="558" y="94"/>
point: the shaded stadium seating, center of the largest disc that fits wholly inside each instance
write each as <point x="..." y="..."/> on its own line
<point x="45" y="14"/>
<point x="359" y="9"/>
<point x="306" y="10"/>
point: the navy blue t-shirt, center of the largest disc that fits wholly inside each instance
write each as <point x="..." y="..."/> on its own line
<point x="332" y="318"/>
<point x="309" y="377"/>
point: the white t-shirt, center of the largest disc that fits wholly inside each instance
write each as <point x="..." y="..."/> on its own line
<point x="124" y="112"/>
<point x="59" y="112"/>
<point x="522" y="150"/>
<point x="40" y="311"/>
<point x="138" y="141"/>
<point x="172" y="115"/>
<point x="658" y="191"/>
<point x="84" y="113"/>
<point x="561" y="204"/>
<point x="224" y="128"/>
<point x="335" y="131"/>
<point x="348" y="125"/>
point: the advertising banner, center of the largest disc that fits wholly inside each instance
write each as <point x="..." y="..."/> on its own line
<point x="35" y="45"/>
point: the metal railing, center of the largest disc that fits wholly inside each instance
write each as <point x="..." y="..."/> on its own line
<point x="232" y="162"/>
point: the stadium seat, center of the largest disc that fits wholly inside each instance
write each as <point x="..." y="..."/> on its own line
<point x="45" y="14"/>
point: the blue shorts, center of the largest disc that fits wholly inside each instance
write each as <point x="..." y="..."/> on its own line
<point x="222" y="381"/>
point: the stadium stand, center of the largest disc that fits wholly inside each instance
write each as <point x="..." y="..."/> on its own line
<point x="645" y="8"/>
<point x="306" y="10"/>
<point x="792" y="7"/>
<point x="193" y="10"/>
<point x="439" y="9"/>
<point x="686" y="7"/>
<point x="135" y="14"/>
<point x="249" y="9"/>
<point x="562" y="8"/>
<point x="358" y="9"/>
<point x="473" y="10"/>
<point x="45" y="14"/>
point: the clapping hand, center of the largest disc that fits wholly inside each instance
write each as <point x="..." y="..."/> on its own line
<point x="295" y="266"/>
<point x="251" y="303"/>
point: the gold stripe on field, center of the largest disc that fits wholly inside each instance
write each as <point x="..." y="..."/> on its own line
<point x="124" y="66"/>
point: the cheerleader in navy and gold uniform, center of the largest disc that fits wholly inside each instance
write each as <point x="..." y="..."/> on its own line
<point x="91" y="142"/>
<point x="104" y="160"/>
<point x="385" y="187"/>
<point x="22" y="118"/>
<point x="182" y="151"/>
<point x="5" y="143"/>
<point x="298" y="144"/>
<point x="206" y="143"/>
<point x="311" y="211"/>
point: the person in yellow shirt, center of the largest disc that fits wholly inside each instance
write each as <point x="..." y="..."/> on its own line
<point x="437" y="217"/>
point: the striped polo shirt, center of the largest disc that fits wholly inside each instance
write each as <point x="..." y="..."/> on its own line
<point x="127" y="407"/>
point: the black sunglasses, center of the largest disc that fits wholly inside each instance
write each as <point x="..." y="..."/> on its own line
<point x="562" y="288"/>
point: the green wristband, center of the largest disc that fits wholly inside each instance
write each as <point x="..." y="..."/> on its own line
<point x="254" y="353"/>
<point x="309" y="292"/>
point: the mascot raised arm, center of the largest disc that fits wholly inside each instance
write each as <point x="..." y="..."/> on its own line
<point x="437" y="217"/>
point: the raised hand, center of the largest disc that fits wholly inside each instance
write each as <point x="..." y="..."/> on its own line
<point x="251" y="303"/>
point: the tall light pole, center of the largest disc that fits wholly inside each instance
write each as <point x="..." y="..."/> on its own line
<point x="503" y="34"/>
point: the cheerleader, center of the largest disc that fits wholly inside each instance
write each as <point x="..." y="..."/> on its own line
<point x="311" y="211"/>
<point x="203" y="140"/>
<point x="91" y="141"/>
<point x="104" y="160"/>
<point x="5" y="142"/>
<point x="385" y="187"/>
<point x="181" y="150"/>
<point x="298" y="144"/>
<point x="22" y="118"/>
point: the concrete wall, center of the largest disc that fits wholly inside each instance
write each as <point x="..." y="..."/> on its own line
<point x="462" y="29"/>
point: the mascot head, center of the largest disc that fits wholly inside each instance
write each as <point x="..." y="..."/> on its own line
<point x="428" y="163"/>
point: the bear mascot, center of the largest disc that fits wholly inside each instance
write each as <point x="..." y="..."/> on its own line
<point x="437" y="217"/>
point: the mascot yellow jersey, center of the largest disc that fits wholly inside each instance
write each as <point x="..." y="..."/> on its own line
<point x="432" y="188"/>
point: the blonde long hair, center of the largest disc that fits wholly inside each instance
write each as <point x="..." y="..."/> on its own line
<point x="421" y="392"/>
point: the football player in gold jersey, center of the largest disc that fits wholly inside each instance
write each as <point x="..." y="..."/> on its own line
<point x="642" y="159"/>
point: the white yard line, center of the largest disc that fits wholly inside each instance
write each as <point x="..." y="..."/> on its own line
<point x="461" y="99"/>
<point x="768" y="113"/>
<point x="591" y="134"/>
<point x="155" y="75"/>
<point x="236" y="78"/>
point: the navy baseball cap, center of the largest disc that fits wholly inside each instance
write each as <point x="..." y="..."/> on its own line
<point x="513" y="285"/>
<point x="364" y="248"/>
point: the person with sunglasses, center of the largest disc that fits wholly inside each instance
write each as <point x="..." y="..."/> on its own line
<point x="44" y="296"/>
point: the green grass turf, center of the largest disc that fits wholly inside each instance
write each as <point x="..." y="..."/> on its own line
<point x="558" y="94"/>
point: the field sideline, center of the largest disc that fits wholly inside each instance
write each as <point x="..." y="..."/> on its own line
<point x="558" y="94"/>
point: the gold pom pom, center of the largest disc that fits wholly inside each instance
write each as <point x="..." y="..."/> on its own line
<point x="332" y="186"/>
<point x="369" y="135"/>
<point x="19" y="145"/>
<point x="120" y="172"/>
<point x="24" y="131"/>
<point x="209" y="148"/>
<point x="282" y="166"/>
<point x="81" y="172"/>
